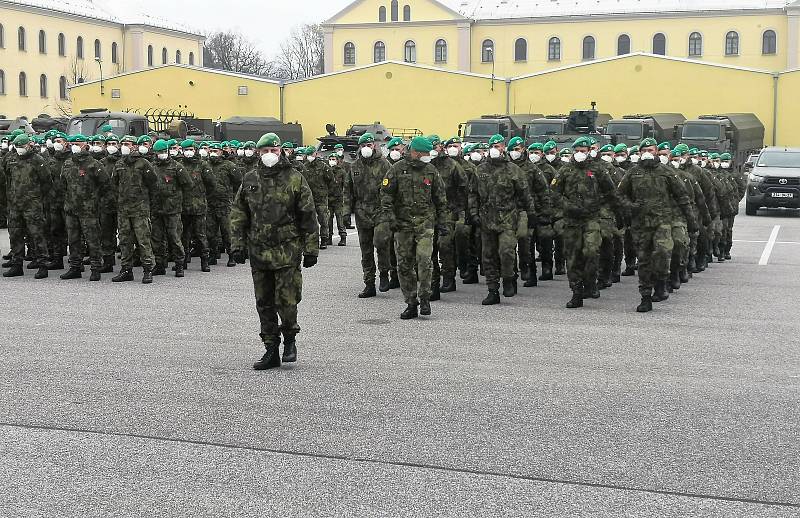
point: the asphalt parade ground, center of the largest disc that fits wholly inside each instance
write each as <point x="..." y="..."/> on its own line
<point x="134" y="400"/>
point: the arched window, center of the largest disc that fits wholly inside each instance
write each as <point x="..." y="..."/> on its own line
<point x="554" y="49"/>
<point x="659" y="44"/>
<point x="2" y="37"/>
<point x="97" y="53"/>
<point x="732" y="44"/>
<point x="43" y="86"/>
<point x="23" y="85"/>
<point x="379" y="52"/>
<point x="588" y="48"/>
<point x="21" y="38"/>
<point x="2" y="83"/>
<point x="164" y="56"/>
<point x="769" y="42"/>
<point x="695" y="44"/>
<point x="349" y="53"/>
<point x="382" y="13"/>
<point x="395" y="12"/>
<point x="410" y="54"/>
<point x="79" y="47"/>
<point x="521" y="49"/>
<point x="406" y="13"/>
<point x="440" y="51"/>
<point x="62" y="88"/>
<point x="623" y="45"/>
<point x="149" y="55"/>
<point x="487" y="51"/>
<point x="42" y="43"/>
<point x="191" y="58"/>
<point x="178" y="56"/>
<point x="62" y="45"/>
<point x="114" y="55"/>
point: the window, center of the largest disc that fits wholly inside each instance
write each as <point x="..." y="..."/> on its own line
<point x="2" y="83"/>
<point x="554" y="49"/>
<point x="487" y="51"/>
<point x="42" y="43"/>
<point x="62" y="88"/>
<point x="178" y="56"/>
<point x="769" y="42"/>
<point x="349" y="53"/>
<point x="623" y="45"/>
<point x="732" y="44"/>
<point x="410" y="54"/>
<point x="521" y="49"/>
<point x="21" y="38"/>
<point x="695" y="44"/>
<point x="62" y="45"/>
<point x="114" y="55"/>
<point x="2" y="37"/>
<point x="395" y="15"/>
<point x="406" y="13"/>
<point x="382" y="13"/>
<point x="149" y="55"/>
<point x="164" y="56"/>
<point x="23" y="85"/>
<point x="660" y="44"/>
<point x="79" y="47"/>
<point x="43" y="86"/>
<point x="379" y="52"/>
<point x="588" y="48"/>
<point x="242" y="90"/>
<point x="116" y="93"/>
<point x="440" y="52"/>
<point x="191" y="58"/>
<point x="97" y="53"/>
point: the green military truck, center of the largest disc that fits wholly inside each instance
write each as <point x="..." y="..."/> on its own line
<point x="564" y="129"/>
<point x="631" y="129"/>
<point x="740" y="134"/>
<point x="482" y="129"/>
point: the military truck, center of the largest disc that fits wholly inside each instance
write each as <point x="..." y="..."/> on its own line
<point x="350" y="139"/>
<point x="482" y="129"/>
<point x="631" y="129"/>
<point x="739" y="134"/>
<point x="564" y="129"/>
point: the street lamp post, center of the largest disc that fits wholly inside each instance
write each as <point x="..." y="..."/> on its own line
<point x="100" y="64"/>
<point x="491" y="57"/>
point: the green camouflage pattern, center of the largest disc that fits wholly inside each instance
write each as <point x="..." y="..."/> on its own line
<point x="204" y="184"/>
<point x="134" y="181"/>
<point x="362" y="187"/>
<point x="84" y="180"/>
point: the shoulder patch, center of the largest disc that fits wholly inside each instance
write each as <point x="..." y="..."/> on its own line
<point x="385" y="182"/>
<point x="554" y="182"/>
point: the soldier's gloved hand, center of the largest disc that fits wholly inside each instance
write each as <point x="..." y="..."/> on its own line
<point x="309" y="261"/>
<point x="348" y="221"/>
<point x="442" y="230"/>
<point x="475" y="221"/>
<point x="239" y="256"/>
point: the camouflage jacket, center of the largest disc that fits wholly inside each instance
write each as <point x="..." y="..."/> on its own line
<point x="456" y="186"/>
<point x="171" y="182"/>
<point x="703" y="179"/>
<point x="28" y="181"/>
<point x="497" y="195"/>
<point x="362" y="188"/>
<point x="108" y="200"/>
<point x="413" y="197"/>
<point x="583" y="192"/>
<point x="228" y="179"/>
<point x="320" y="180"/>
<point x="134" y="181"/>
<point x="203" y="184"/>
<point x="56" y="164"/>
<point x="274" y="217"/>
<point x="85" y="180"/>
<point x="539" y="189"/>
<point x="649" y="193"/>
<point x="335" y="195"/>
<point x="698" y="199"/>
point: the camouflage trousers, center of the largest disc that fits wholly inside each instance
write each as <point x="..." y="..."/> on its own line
<point x="28" y="223"/>
<point x="218" y="229"/>
<point x="167" y="238"/>
<point x="629" y="248"/>
<point x="582" y="246"/>
<point x="654" y="247"/>
<point x="607" y="257"/>
<point x="726" y="238"/>
<point x="680" y="245"/>
<point x="323" y="215"/>
<point x="499" y="256"/>
<point x="467" y="247"/>
<point x="194" y="230"/>
<point x="133" y="231"/>
<point x="371" y="240"/>
<point x="414" y="265"/>
<point x="278" y="292"/>
<point x="703" y="241"/>
<point x="444" y="253"/>
<point x="524" y="240"/>
<point x="57" y="237"/>
<point x="544" y="243"/>
<point x="108" y="233"/>
<point x="80" y="229"/>
<point x="336" y="210"/>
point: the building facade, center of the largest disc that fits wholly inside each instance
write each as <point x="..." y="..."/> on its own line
<point x="46" y="47"/>
<point x="511" y="38"/>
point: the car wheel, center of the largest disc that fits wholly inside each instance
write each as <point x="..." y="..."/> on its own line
<point x="751" y="209"/>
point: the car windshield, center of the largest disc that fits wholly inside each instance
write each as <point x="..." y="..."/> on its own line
<point x="627" y="129"/>
<point x="779" y="159"/>
<point x="481" y="129"/>
<point x="545" y="128"/>
<point x="701" y="131"/>
<point x="83" y="126"/>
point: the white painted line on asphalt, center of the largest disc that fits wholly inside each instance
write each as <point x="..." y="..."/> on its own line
<point x="770" y="244"/>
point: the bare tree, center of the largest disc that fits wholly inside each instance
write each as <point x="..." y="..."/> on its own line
<point x="302" y="54"/>
<point x="232" y="51"/>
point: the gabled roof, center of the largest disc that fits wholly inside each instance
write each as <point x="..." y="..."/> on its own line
<point x="250" y="77"/>
<point x="355" y="3"/>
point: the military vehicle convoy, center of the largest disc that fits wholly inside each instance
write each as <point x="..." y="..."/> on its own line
<point x="564" y="129"/>
<point x="740" y="134"/>
<point x="482" y="129"/>
<point x="631" y="129"/>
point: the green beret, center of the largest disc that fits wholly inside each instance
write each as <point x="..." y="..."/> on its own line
<point x="565" y="151"/>
<point x="694" y="151"/>
<point x="582" y="142"/>
<point x="160" y="145"/>
<point x="496" y="139"/>
<point x="606" y="148"/>
<point x="468" y="149"/>
<point x="235" y="143"/>
<point x="21" y="140"/>
<point x="37" y="140"/>
<point x="453" y="140"/>
<point x="663" y="146"/>
<point x="290" y="145"/>
<point x="97" y="138"/>
<point x="225" y="143"/>
<point x="592" y="141"/>
<point x="549" y="146"/>
<point x="633" y="149"/>
<point x="249" y="145"/>
<point x="725" y="156"/>
<point x="515" y="141"/>
<point x="215" y="145"/>
<point x="338" y="146"/>
<point x="60" y="134"/>
<point x="16" y="132"/>
<point x="128" y="138"/>
<point x="434" y="139"/>
<point x="704" y="153"/>
<point x="143" y="139"/>
<point x="619" y="148"/>
<point x="310" y="150"/>
<point x="188" y="143"/>
<point x="105" y="128"/>
<point x="171" y="142"/>
<point x="269" y="140"/>
<point x="536" y="146"/>
<point x="421" y="144"/>
<point x="482" y="145"/>
<point x="396" y="141"/>
<point x="649" y="141"/>
<point x="713" y="156"/>
<point x="79" y="138"/>
<point x="680" y="149"/>
<point x="366" y="138"/>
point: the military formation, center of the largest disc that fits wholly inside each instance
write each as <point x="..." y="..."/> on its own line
<point x="428" y="213"/>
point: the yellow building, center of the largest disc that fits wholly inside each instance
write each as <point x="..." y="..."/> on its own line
<point x="511" y="38"/>
<point x="46" y="46"/>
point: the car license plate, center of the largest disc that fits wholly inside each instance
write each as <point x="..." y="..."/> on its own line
<point x="783" y="195"/>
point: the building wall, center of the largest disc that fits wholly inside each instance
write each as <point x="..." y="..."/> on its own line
<point x="160" y="40"/>
<point x="421" y="10"/>
<point x="788" y="109"/>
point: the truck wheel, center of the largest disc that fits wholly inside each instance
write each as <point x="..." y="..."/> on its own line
<point x="751" y="209"/>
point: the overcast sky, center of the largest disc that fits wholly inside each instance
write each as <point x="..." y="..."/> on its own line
<point x="265" y="22"/>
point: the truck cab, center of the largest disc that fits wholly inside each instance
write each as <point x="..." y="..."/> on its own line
<point x="89" y="122"/>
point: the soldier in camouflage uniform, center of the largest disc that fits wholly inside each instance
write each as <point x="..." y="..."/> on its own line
<point x="496" y="199"/>
<point x="274" y="222"/>
<point x="628" y="243"/>
<point x="228" y="179"/>
<point x="559" y="255"/>
<point x="335" y="199"/>
<point x="56" y="218"/>
<point x="108" y="208"/>
<point x="517" y="156"/>
<point x="134" y="182"/>
<point x="28" y="183"/>
<point x="738" y="187"/>
<point x="195" y="204"/>
<point x="538" y="171"/>
<point x="699" y="262"/>
<point x="467" y="237"/>
<point x="697" y="201"/>
<point x="84" y="180"/>
<point x="320" y="180"/>
<point x="166" y="206"/>
<point x="610" y="223"/>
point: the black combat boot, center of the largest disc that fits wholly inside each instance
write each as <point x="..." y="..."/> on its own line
<point x="410" y="312"/>
<point x="675" y="280"/>
<point x="646" y="304"/>
<point x="660" y="294"/>
<point x="691" y="266"/>
<point x="524" y="272"/>
<point x="159" y="270"/>
<point x="343" y="240"/>
<point x="508" y="288"/>
<point x="547" y="274"/>
<point x="57" y="263"/>
<point x="531" y="282"/>
<point x="187" y="259"/>
<point x="492" y="298"/>
<point x="8" y="264"/>
<point x="14" y="271"/>
<point x="630" y="270"/>
<point x="289" y="348"/>
<point x="594" y="290"/>
<point x="435" y="292"/>
<point x="323" y="244"/>
<point x="41" y="273"/>
<point x="271" y="358"/>
<point x="204" y="265"/>
<point x="124" y="275"/>
<point x="369" y="291"/>
<point x="95" y="276"/>
<point x="577" y="297"/>
<point x="7" y="257"/>
<point x="147" y="276"/>
<point x="449" y="285"/>
<point x="471" y="278"/>
<point x="72" y="273"/>
<point x="394" y="280"/>
<point x="683" y="275"/>
<point x="231" y="263"/>
<point x="108" y="264"/>
<point x="33" y="265"/>
<point x="212" y="260"/>
<point x="424" y="307"/>
<point x="383" y="285"/>
<point x="179" y="269"/>
<point x="603" y="280"/>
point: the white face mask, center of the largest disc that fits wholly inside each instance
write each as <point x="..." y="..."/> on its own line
<point x="4" y="146"/>
<point x="675" y="163"/>
<point x="426" y="159"/>
<point x="333" y="163"/>
<point x="112" y="150"/>
<point x="269" y="159"/>
<point x="634" y="158"/>
<point x="125" y="150"/>
<point x="248" y="153"/>
<point x="695" y="161"/>
<point x="395" y="155"/>
<point x="366" y="152"/>
<point x="49" y="143"/>
<point x="311" y="158"/>
<point x="340" y="152"/>
<point x="716" y="165"/>
<point x="515" y="155"/>
<point x="533" y="157"/>
<point x="97" y="149"/>
<point x="240" y="152"/>
<point x="173" y="152"/>
<point x="299" y="158"/>
<point x="475" y="156"/>
<point x="467" y="158"/>
<point x="619" y="159"/>
<point x="203" y="153"/>
<point x="143" y="150"/>
<point x="43" y="149"/>
<point x="434" y="153"/>
<point x="189" y="153"/>
<point x="579" y="156"/>
<point x="664" y="159"/>
<point x="58" y="146"/>
<point x="163" y="156"/>
<point x="215" y="155"/>
<point x="21" y="150"/>
<point x="75" y="149"/>
<point x="703" y="163"/>
<point x="494" y="152"/>
<point x="647" y="156"/>
<point x="726" y="165"/>
<point x="593" y="153"/>
<point x="551" y="157"/>
<point x="453" y="151"/>
<point x="607" y="158"/>
<point x="565" y="159"/>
